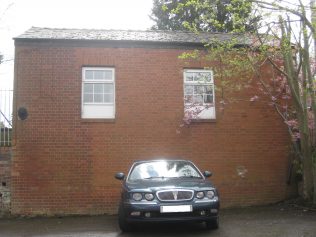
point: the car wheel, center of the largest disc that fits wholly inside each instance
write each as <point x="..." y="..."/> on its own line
<point x="212" y="224"/>
<point x="123" y="224"/>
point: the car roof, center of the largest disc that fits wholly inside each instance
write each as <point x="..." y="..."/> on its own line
<point x="157" y="160"/>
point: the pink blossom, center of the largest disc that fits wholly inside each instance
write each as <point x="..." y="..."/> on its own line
<point x="293" y="123"/>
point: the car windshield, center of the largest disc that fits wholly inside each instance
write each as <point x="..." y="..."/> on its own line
<point x="164" y="169"/>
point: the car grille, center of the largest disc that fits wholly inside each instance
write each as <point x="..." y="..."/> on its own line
<point x="175" y="195"/>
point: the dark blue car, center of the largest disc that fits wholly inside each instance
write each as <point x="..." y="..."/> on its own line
<point x="167" y="191"/>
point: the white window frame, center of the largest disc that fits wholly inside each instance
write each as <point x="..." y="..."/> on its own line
<point x="207" y="109"/>
<point x="97" y="110"/>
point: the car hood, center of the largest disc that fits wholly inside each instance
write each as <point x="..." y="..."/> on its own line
<point x="159" y="184"/>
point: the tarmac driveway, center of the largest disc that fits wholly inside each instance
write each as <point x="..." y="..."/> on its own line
<point x="276" y="220"/>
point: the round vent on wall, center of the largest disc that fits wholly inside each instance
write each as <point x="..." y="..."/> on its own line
<point x="22" y="113"/>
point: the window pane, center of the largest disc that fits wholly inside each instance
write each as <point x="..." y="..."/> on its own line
<point x="157" y="169"/>
<point x="108" y="75"/>
<point x="198" y="99"/>
<point x="199" y="89"/>
<point x="189" y="76"/>
<point x="99" y="75"/>
<point x="108" y="88"/>
<point x="108" y="98"/>
<point x="98" y="88"/>
<point x="88" y="98"/>
<point x="203" y="77"/>
<point x="98" y="98"/>
<point x="188" y="170"/>
<point x="188" y="99"/>
<point x="209" y="89"/>
<point x="88" y="74"/>
<point x="88" y="88"/>
<point x="188" y="90"/>
<point x="208" y="98"/>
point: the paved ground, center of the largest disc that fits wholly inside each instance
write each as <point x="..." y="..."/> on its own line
<point x="271" y="221"/>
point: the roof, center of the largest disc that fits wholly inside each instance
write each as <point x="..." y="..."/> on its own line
<point x="166" y="159"/>
<point x="169" y="37"/>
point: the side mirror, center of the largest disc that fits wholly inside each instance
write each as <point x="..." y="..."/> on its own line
<point x="119" y="176"/>
<point x="207" y="174"/>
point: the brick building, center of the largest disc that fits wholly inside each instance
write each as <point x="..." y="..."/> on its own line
<point x="99" y="99"/>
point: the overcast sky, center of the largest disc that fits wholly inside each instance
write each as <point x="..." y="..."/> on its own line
<point x="16" y="16"/>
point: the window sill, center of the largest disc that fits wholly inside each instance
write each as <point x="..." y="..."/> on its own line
<point x="103" y="120"/>
<point x="203" y="120"/>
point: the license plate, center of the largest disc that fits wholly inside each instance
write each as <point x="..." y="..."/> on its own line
<point x="178" y="208"/>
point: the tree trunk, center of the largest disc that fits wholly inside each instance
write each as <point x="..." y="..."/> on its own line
<point x="313" y="16"/>
<point x="307" y="154"/>
<point x="314" y="179"/>
<point x="308" y="176"/>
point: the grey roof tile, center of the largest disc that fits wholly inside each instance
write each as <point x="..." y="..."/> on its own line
<point x="126" y="35"/>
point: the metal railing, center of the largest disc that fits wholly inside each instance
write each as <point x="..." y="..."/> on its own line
<point x="6" y="97"/>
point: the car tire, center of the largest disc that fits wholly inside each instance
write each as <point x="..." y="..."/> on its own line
<point x="123" y="224"/>
<point x="212" y="224"/>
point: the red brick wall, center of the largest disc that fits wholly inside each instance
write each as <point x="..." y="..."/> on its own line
<point x="63" y="164"/>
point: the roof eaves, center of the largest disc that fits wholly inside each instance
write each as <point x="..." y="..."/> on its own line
<point x="131" y="43"/>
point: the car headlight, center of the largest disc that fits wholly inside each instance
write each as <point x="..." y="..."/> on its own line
<point x="200" y="195"/>
<point x="210" y="194"/>
<point x="137" y="196"/>
<point x="149" y="196"/>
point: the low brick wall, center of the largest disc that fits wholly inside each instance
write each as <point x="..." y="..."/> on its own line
<point x="5" y="175"/>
